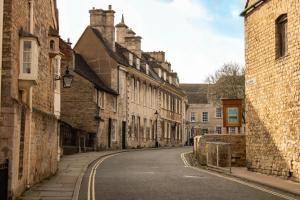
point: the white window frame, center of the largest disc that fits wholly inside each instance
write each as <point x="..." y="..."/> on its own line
<point x="138" y="63"/>
<point x="204" y="117"/>
<point x="159" y="73"/>
<point x="219" y="129"/>
<point x="34" y="59"/>
<point x="206" y="131"/>
<point x="232" y="130"/>
<point x="193" y="116"/>
<point x="165" y="76"/>
<point x="218" y="112"/>
<point x="130" y="59"/>
<point x="147" y="69"/>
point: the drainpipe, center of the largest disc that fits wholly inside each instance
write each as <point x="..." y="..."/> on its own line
<point x="1" y="32"/>
<point x="31" y="27"/>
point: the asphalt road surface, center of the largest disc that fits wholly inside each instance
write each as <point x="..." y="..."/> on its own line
<point x="159" y="175"/>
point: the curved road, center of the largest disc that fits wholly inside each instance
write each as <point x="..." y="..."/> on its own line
<point x="160" y="174"/>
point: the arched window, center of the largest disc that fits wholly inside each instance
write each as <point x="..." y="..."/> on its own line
<point x="281" y="35"/>
<point x="52" y="45"/>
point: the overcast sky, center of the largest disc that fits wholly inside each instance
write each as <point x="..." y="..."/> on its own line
<point x="198" y="36"/>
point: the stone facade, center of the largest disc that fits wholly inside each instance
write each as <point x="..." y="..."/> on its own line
<point x="204" y="116"/>
<point x="28" y="124"/>
<point x="145" y="84"/>
<point x="88" y="106"/>
<point x="237" y="147"/>
<point x="272" y="87"/>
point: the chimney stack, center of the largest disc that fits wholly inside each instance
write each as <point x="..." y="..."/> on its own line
<point x="103" y="21"/>
<point x="128" y="39"/>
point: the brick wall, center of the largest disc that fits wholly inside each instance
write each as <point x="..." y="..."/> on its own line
<point x="273" y="91"/>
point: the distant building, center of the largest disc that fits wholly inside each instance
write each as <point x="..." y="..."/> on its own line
<point x="30" y="100"/>
<point x="272" y="87"/>
<point x="89" y="108"/>
<point x="150" y="106"/>
<point x="204" y="115"/>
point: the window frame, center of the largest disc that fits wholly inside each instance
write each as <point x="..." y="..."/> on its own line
<point x="193" y="116"/>
<point x="34" y="59"/>
<point x="281" y="36"/>
<point x="218" y="112"/>
<point x="207" y="119"/>
<point x="219" y="129"/>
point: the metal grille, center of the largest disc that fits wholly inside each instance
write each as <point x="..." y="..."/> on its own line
<point x="218" y="155"/>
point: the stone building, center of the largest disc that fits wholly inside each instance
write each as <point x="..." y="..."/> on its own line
<point x="273" y="87"/>
<point x="29" y="114"/>
<point x="89" y="108"/>
<point x="142" y="80"/>
<point x="204" y="115"/>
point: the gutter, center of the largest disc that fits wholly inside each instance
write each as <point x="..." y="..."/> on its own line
<point x="252" y="8"/>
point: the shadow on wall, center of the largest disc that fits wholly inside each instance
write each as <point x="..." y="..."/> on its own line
<point x="272" y="144"/>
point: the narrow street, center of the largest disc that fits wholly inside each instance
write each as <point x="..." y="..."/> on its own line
<point x="161" y="174"/>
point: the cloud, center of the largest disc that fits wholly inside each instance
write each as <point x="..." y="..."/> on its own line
<point x="187" y="30"/>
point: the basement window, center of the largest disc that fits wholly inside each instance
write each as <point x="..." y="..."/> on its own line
<point x="281" y="35"/>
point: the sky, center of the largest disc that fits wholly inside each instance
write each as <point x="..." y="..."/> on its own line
<point x="198" y="36"/>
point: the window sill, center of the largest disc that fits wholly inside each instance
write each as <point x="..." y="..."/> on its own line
<point x="281" y="58"/>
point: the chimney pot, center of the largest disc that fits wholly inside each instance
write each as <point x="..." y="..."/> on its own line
<point x="109" y="7"/>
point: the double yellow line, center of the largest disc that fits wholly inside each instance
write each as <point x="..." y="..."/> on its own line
<point x="186" y="163"/>
<point x="91" y="184"/>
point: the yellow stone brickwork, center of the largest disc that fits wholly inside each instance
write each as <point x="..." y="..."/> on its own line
<point x="273" y="91"/>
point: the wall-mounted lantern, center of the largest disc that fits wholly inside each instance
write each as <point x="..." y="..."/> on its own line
<point x="67" y="79"/>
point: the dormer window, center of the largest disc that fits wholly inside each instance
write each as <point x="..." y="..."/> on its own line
<point x="130" y="59"/>
<point x="138" y="63"/>
<point x="165" y="76"/>
<point x="147" y="69"/>
<point x="170" y="79"/>
<point x="159" y="73"/>
<point x="29" y="58"/>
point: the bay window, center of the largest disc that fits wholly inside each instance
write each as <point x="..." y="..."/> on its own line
<point x="28" y="59"/>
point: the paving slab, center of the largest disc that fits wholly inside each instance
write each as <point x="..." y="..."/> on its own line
<point x="270" y="181"/>
<point x="66" y="183"/>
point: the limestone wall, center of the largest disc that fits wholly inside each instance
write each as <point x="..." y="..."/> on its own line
<point x="273" y="91"/>
<point x="237" y="145"/>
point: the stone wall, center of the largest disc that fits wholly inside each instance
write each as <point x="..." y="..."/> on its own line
<point x="40" y="157"/>
<point x="273" y="91"/>
<point x="237" y="145"/>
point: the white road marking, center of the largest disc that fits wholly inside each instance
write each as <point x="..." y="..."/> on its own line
<point x="189" y="176"/>
<point x="235" y="180"/>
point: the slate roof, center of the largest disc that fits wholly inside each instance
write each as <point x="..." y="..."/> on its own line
<point x="120" y="55"/>
<point x="196" y="93"/>
<point x="83" y="69"/>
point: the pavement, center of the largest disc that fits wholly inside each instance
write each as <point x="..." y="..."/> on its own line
<point x="164" y="174"/>
<point x="66" y="183"/>
<point x="270" y="181"/>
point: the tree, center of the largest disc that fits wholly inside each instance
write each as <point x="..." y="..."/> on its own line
<point x="227" y="82"/>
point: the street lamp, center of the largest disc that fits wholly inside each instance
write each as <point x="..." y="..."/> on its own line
<point x="67" y="79"/>
<point x="156" y="139"/>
